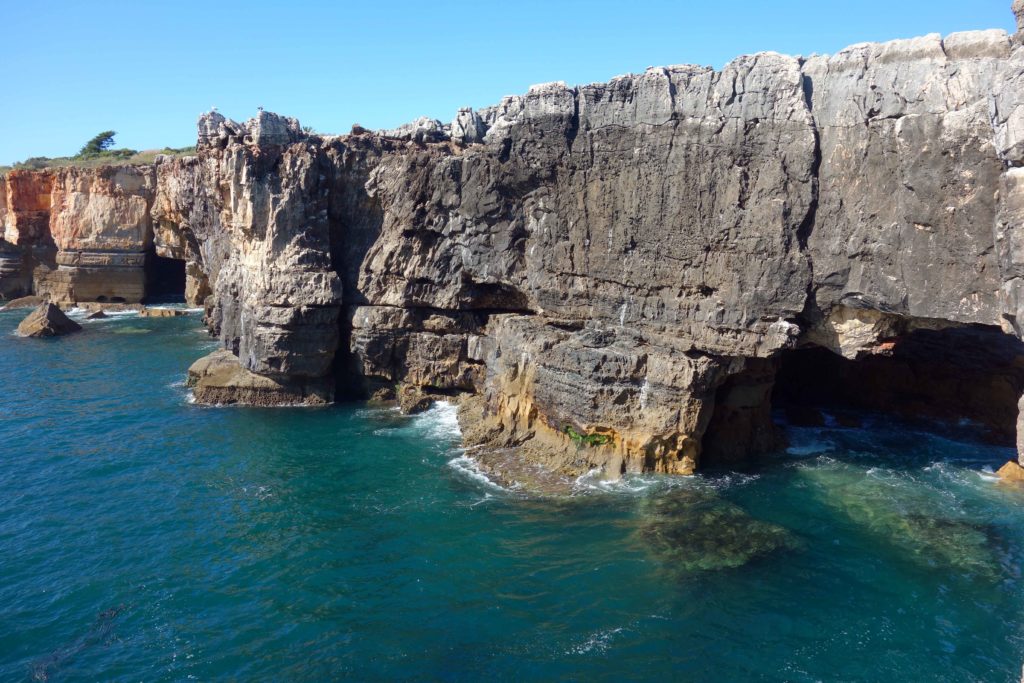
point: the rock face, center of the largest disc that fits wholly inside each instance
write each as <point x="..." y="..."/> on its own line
<point x="47" y="321"/>
<point x="614" y="271"/>
<point x="100" y="223"/>
<point x="79" y="234"/>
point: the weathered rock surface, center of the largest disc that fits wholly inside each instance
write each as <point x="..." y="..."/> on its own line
<point x="47" y="321"/>
<point x="78" y="234"/>
<point x="908" y="176"/>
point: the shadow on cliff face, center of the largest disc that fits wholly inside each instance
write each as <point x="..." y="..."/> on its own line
<point x="356" y="221"/>
<point x="965" y="378"/>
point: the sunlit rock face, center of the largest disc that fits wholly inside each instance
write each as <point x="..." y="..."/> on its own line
<point x="100" y="223"/>
<point x="186" y="222"/>
<point x="908" y="176"/>
<point x="26" y="244"/>
<point x="27" y="220"/>
<point x="265" y="239"/>
<point x="14" y="282"/>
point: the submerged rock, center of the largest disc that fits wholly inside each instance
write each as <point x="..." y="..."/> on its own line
<point x="696" y="530"/>
<point x="47" y="321"/>
<point x="900" y="514"/>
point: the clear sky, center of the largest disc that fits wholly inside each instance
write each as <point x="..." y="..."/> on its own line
<point x="147" y="69"/>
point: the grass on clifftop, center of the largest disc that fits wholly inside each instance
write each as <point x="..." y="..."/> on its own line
<point x="99" y="151"/>
<point x="112" y="157"/>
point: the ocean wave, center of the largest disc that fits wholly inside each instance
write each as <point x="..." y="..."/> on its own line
<point x="84" y="313"/>
<point x="470" y="469"/>
<point x="594" y="480"/>
<point x="440" y="421"/>
<point x="987" y="474"/>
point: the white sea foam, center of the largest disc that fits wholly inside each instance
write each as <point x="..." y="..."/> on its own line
<point x="78" y="312"/>
<point x="258" y="492"/>
<point x="470" y="469"/>
<point x="599" y="641"/>
<point x="440" y="421"/>
<point x="594" y="480"/>
<point x="987" y="474"/>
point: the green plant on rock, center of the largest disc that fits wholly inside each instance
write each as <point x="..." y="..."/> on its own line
<point x="586" y="439"/>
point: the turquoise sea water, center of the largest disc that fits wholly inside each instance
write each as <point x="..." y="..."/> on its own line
<point x="146" y="538"/>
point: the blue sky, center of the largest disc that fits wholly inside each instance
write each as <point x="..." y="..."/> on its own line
<point x="148" y="69"/>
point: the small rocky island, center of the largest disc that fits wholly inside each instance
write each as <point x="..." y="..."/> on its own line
<point x="624" y="276"/>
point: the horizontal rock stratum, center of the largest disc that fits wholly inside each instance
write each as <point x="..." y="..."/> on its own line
<point x="610" y="272"/>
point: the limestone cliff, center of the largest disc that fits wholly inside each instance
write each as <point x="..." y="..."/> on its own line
<point x="614" y="272"/>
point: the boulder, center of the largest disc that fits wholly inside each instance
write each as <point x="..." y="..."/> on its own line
<point x="47" y="321"/>
<point x="219" y="379"/>
<point x="1012" y="471"/>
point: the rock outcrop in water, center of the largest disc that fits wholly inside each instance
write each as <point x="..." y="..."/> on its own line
<point x="47" y="321"/>
<point x="613" y="270"/>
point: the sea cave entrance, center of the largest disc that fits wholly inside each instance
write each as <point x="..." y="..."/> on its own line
<point x="967" y="377"/>
<point x="964" y="379"/>
<point x="165" y="279"/>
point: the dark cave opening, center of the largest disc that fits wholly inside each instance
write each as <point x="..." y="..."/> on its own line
<point x="165" y="279"/>
<point x="963" y="381"/>
<point x="962" y="378"/>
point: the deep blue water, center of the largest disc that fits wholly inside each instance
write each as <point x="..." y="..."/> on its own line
<point x="145" y="538"/>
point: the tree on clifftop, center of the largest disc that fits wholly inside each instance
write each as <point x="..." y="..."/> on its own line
<point x="98" y="144"/>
